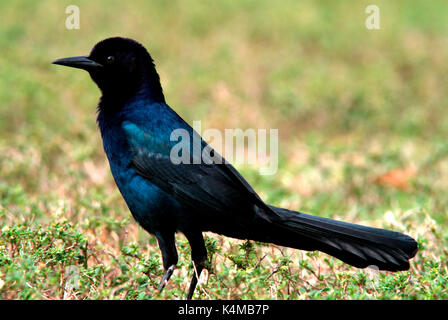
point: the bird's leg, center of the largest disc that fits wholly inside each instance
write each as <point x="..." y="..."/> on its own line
<point x="166" y="277"/>
<point x="198" y="257"/>
<point x="198" y="267"/>
<point x="169" y="255"/>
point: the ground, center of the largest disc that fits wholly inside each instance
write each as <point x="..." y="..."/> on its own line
<point x="362" y="137"/>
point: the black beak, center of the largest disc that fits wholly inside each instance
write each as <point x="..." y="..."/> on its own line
<point x="80" y="62"/>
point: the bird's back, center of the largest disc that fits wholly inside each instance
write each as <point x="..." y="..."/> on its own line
<point x="138" y="142"/>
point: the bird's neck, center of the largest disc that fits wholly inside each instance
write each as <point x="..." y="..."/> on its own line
<point x="147" y="89"/>
<point x="150" y="87"/>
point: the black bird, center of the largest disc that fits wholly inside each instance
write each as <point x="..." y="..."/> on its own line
<point x="136" y="125"/>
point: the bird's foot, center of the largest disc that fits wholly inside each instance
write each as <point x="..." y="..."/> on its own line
<point x="166" y="277"/>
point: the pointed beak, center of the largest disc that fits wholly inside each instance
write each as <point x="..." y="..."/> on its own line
<point x="80" y="62"/>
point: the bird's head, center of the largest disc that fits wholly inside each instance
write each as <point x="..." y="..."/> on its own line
<point x="120" y="67"/>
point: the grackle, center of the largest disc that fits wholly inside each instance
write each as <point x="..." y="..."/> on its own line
<point x="167" y="197"/>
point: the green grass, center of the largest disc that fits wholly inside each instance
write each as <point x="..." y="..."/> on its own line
<point x="363" y="137"/>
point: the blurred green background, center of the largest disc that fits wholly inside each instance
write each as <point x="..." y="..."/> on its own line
<point x="361" y="116"/>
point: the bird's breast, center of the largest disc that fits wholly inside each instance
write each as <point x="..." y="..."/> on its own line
<point x="148" y="204"/>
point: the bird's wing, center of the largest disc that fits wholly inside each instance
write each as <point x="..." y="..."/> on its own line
<point x="207" y="187"/>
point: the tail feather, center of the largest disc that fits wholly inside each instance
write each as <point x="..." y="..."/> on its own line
<point x="357" y="245"/>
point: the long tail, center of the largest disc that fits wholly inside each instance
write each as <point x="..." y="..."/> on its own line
<point x="356" y="245"/>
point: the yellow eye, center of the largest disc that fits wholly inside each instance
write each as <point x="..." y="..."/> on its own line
<point x="110" y="59"/>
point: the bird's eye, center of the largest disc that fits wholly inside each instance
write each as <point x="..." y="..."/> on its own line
<point x="110" y="59"/>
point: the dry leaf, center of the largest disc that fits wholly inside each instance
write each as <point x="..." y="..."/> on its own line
<point x="398" y="178"/>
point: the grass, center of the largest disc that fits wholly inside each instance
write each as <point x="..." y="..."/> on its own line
<point x="362" y="122"/>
